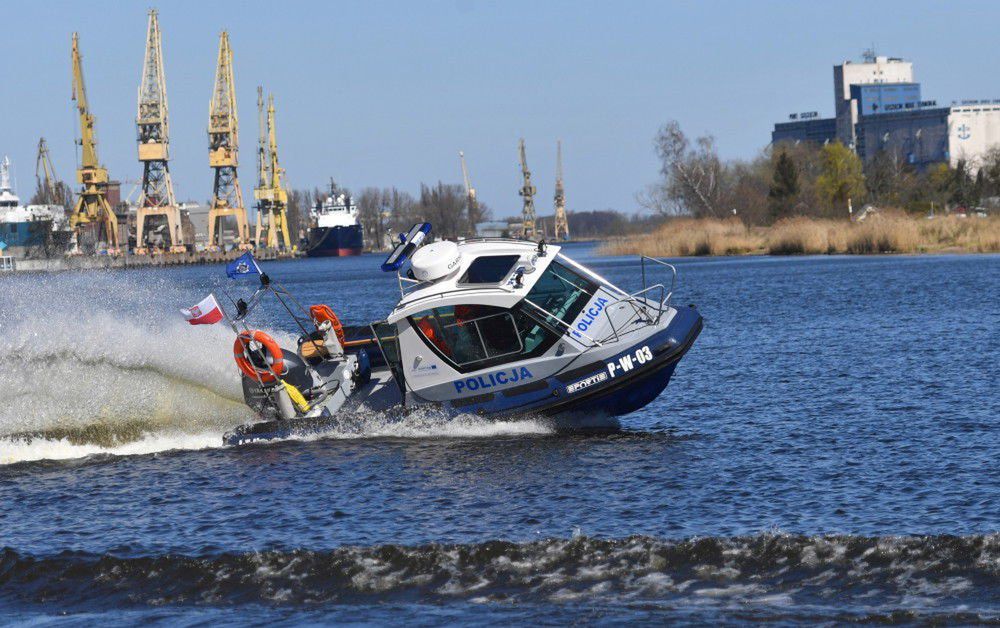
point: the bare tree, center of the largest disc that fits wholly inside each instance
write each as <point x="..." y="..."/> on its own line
<point x="444" y="206"/>
<point x="402" y="209"/>
<point x="297" y="211"/>
<point x="693" y="174"/>
<point x="371" y="210"/>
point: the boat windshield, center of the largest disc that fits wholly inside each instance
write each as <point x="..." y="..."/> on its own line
<point x="561" y="292"/>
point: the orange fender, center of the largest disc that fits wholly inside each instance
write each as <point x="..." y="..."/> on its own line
<point x="322" y="313"/>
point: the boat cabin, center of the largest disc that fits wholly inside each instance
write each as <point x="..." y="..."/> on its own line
<point x="479" y="315"/>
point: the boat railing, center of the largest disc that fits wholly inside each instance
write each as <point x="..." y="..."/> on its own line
<point x="643" y="309"/>
<point x="406" y="284"/>
<point x="673" y="275"/>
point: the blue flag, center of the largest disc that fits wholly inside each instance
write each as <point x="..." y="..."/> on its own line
<point x="243" y="266"/>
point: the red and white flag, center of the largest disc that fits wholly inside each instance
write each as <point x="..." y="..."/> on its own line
<point x="207" y="312"/>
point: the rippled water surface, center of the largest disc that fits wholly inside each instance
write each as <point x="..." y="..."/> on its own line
<point x="825" y="453"/>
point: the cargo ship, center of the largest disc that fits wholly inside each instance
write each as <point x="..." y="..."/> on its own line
<point x="29" y="230"/>
<point x="334" y="230"/>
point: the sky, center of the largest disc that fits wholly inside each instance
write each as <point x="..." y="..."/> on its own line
<point x="382" y="93"/>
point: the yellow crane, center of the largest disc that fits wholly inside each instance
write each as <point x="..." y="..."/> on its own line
<point x="157" y="199"/>
<point x="223" y="153"/>
<point x="262" y="191"/>
<point x="92" y="204"/>
<point x="279" y="196"/>
<point x="528" y="229"/>
<point x="561" y="221"/>
<point x="272" y="198"/>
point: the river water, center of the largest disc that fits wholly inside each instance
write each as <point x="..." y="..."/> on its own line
<point x="827" y="452"/>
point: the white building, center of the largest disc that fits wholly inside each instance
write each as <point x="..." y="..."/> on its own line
<point x="933" y="135"/>
<point x="972" y="131"/>
<point x="879" y="108"/>
<point x="870" y="71"/>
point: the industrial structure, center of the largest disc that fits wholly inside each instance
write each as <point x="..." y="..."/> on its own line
<point x="528" y="227"/>
<point x="223" y="154"/>
<point x="49" y="185"/>
<point x="470" y="192"/>
<point x="561" y="226"/>
<point x="873" y="72"/>
<point x="271" y="195"/>
<point x="879" y="108"/>
<point x="92" y="206"/>
<point x="157" y="199"/>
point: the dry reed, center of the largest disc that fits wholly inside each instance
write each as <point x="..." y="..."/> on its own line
<point x="886" y="232"/>
<point x="688" y="236"/>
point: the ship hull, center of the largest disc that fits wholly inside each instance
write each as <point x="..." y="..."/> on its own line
<point x="25" y="234"/>
<point x="335" y="241"/>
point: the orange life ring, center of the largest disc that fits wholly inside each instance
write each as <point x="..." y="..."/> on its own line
<point x="240" y="348"/>
<point x="322" y="313"/>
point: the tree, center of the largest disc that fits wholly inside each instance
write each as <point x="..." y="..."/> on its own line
<point x="842" y="178"/>
<point x="990" y="169"/>
<point x="297" y="212"/>
<point x="402" y="209"/>
<point x="475" y="215"/>
<point x="693" y="174"/>
<point x="961" y="190"/>
<point x="370" y="215"/>
<point x="883" y="178"/>
<point x="444" y="206"/>
<point x="63" y="195"/>
<point x="784" y="186"/>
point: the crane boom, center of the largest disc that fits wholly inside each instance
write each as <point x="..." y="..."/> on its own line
<point x="528" y="229"/>
<point x="152" y="122"/>
<point x="223" y="153"/>
<point x="92" y="204"/>
<point x="49" y="188"/>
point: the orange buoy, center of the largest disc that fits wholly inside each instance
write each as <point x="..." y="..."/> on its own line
<point x="323" y="313"/>
<point x="270" y="346"/>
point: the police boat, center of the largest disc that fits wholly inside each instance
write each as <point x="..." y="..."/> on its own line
<point x="492" y="327"/>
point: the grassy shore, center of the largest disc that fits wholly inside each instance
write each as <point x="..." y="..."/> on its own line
<point x="880" y="233"/>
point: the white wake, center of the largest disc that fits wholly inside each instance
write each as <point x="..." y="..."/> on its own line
<point x="102" y="363"/>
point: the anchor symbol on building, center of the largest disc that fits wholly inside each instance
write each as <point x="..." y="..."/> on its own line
<point x="963" y="132"/>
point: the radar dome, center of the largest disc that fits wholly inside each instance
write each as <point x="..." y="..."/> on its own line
<point x="436" y="261"/>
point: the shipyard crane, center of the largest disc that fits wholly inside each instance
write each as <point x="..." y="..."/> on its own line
<point x="223" y="149"/>
<point x="528" y="230"/>
<point x="157" y="199"/>
<point x="561" y="222"/>
<point x="272" y="198"/>
<point x="50" y="190"/>
<point x="470" y="192"/>
<point x="92" y="204"/>
<point x="261" y="191"/>
<point x="279" y="196"/>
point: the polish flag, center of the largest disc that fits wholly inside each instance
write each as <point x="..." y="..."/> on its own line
<point x="207" y="312"/>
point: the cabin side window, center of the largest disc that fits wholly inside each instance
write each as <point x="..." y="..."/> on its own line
<point x="473" y="337"/>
